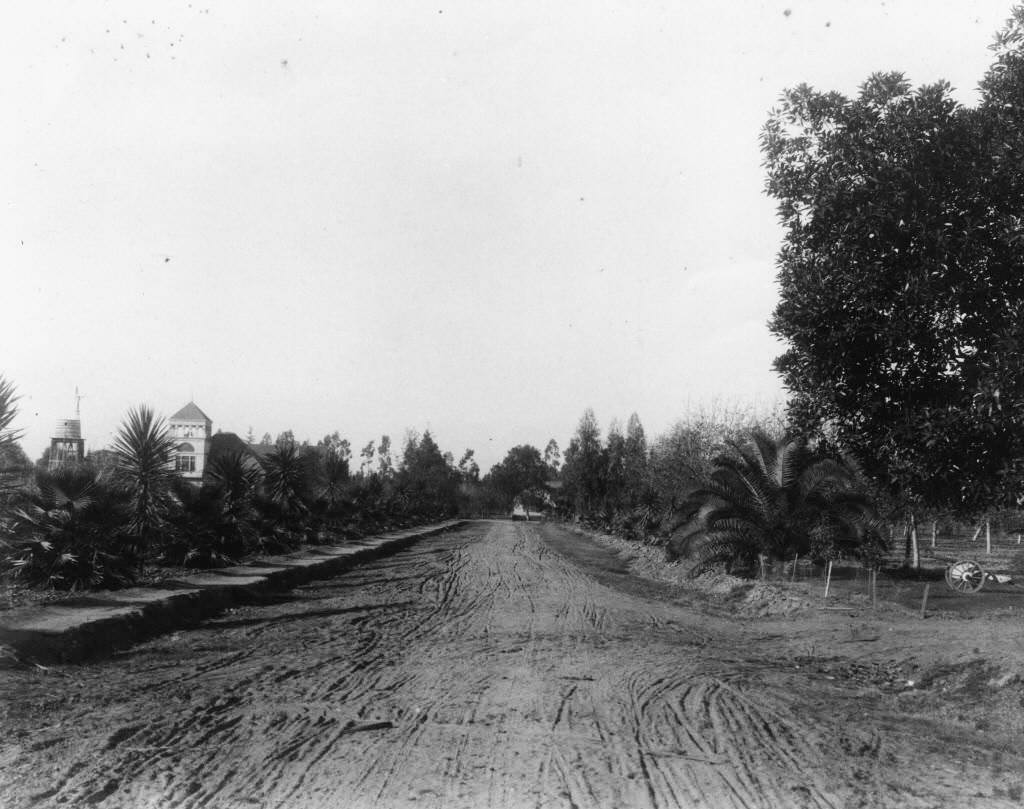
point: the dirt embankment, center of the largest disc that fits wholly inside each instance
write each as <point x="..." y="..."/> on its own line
<point x="508" y="665"/>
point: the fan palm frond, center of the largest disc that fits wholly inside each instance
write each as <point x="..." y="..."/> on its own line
<point x="69" y="487"/>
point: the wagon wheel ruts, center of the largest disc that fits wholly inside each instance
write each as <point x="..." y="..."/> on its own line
<point x="965" y="576"/>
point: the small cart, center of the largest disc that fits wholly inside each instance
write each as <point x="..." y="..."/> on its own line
<point x="965" y="576"/>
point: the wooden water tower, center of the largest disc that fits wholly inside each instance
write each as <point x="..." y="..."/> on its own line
<point x="67" y="444"/>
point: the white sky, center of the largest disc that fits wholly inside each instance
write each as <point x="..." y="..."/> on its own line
<point x="472" y="216"/>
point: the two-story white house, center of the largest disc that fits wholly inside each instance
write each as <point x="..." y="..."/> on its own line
<point x="191" y="429"/>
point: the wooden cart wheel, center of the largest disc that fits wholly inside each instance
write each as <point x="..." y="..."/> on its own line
<point x="965" y="576"/>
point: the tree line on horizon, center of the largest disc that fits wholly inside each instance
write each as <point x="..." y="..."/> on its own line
<point x="110" y="518"/>
<point x="901" y="278"/>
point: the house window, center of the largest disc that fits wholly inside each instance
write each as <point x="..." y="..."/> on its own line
<point x="186" y="463"/>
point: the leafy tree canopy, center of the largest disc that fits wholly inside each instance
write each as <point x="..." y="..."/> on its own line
<point x="583" y="472"/>
<point x="522" y="473"/>
<point x="468" y="467"/>
<point x="553" y="457"/>
<point x="902" y="277"/>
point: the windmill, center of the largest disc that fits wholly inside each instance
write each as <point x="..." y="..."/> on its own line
<point x="67" y="444"/>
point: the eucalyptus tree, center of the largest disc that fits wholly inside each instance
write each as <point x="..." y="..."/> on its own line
<point x="385" y="464"/>
<point x="583" y="470"/>
<point x="553" y="458"/>
<point x="469" y="468"/>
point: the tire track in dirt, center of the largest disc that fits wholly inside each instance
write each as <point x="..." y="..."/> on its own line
<point x="474" y="669"/>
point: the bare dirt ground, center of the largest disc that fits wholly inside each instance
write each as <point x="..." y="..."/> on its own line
<point x="517" y="665"/>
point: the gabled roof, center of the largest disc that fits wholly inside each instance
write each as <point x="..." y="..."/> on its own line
<point x="227" y="443"/>
<point x="190" y="412"/>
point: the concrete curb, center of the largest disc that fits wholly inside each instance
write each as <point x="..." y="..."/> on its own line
<point x="104" y="621"/>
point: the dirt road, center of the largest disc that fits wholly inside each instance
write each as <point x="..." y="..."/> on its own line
<point x="485" y="668"/>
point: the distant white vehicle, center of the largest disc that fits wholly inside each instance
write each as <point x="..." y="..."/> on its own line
<point x="522" y="512"/>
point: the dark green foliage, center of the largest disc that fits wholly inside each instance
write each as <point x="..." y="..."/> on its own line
<point x="62" y="530"/>
<point x="468" y="468"/>
<point x="385" y="465"/>
<point x="232" y="479"/>
<point x="8" y="412"/>
<point x="287" y="478"/>
<point x="66" y="533"/>
<point x="552" y="458"/>
<point x="332" y="478"/>
<point x="617" y="487"/>
<point x="634" y="462"/>
<point x="88" y="526"/>
<point x="522" y="475"/>
<point x="427" y="481"/>
<point x="12" y="457"/>
<point x="145" y="454"/>
<point x="776" y="499"/>
<point x="902" y="278"/>
<point x="218" y="523"/>
<point x="583" y="473"/>
<point x="16" y="469"/>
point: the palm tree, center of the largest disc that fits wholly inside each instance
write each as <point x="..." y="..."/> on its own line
<point x="8" y="436"/>
<point x="234" y="479"/>
<point x="145" y="457"/>
<point x="286" y="478"/>
<point x="217" y="523"/>
<point x="332" y="480"/>
<point x="8" y="410"/>
<point x="775" y="499"/>
<point x="65" y="532"/>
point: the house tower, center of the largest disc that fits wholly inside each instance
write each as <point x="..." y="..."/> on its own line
<point x="191" y="430"/>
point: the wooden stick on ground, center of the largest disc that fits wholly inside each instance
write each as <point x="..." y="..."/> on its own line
<point x="924" y="599"/>
<point x="828" y="578"/>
